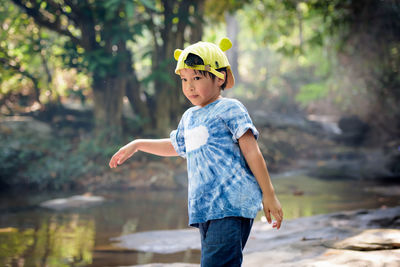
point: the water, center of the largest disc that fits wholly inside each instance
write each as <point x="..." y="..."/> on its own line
<point x="32" y="236"/>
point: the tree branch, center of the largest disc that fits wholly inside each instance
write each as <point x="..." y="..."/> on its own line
<point x="59" y="8"/>
<point x="75" y="9"/>
<point x="5" y="61"/>
<point x="43" y="21"/>
<point x="183" y="15"/>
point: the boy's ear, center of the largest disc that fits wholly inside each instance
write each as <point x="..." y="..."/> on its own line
<point x="177" y="53"/>
<point x="221" y="81"/>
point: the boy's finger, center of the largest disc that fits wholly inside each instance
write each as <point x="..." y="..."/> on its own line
<point x="111" y="163"/>
<point x="277" y="216"/>
<point x="114" y="160"/>
<point x="268" y="215"/>
<point x="121" y="160"/>
<point x="278" y="221"/>
<point x="278" y="224"/>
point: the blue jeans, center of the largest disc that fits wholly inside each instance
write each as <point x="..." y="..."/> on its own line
<point x="223" y="240"/>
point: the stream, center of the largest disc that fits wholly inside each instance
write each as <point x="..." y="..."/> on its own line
<point x="35" y="236"/>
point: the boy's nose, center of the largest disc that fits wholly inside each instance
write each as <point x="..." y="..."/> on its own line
<point x="190" y="86"/>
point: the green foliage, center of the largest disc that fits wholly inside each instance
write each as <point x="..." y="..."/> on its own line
<point x="98" y="61"/>
<point x="22" y="40"/>
<point x="290" y="51"/>
<point x="114" y="24"/>
<point x="311" y="92"/>
<point x="307" y="51"/>
<point x="53" y="162"/>
<point x="26" y="53"/>
<point x="15" y="154"/>
<point x="216" y="9"/>
<point x="59" y="241"/>
<point x="160" y="74"/>
<point x="13" y="243"/>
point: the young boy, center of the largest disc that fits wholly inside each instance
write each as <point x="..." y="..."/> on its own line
<point x="227" y="174"/>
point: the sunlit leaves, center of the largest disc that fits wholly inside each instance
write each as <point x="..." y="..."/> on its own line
<point x="17" y="52"/>
<point x="129" y="9"/>
<point x="100" y="62"/>
<point x="160" y="74"/>
<point x="216" y="9"/>
<point x="56" y="242"/>
<point x="149" y="4"/>
<point x="13" y="243"/>
<point x="311" y="92"/>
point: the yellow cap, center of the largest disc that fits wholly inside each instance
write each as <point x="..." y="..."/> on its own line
<point x="213" y="57"/>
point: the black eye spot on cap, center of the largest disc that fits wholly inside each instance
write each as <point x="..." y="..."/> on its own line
<point x="193" y="60"/>
<point x="216" y="64"/>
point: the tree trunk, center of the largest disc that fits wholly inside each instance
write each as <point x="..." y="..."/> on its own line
<point x="232" y="30"/>
<point x="169" y="100"/>
<point x="196" y="31"/>
<point x="133" y="91"/>
<point x="163" y="108"/>
<point x="107" y="96"/>
<point x="135" y="97"/>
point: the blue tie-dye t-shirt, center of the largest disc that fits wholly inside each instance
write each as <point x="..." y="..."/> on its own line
<point x="220" y="182"/>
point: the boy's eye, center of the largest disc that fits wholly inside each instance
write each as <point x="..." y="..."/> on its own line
<point x="197" y="78"/>
<point x="183" y="79"/>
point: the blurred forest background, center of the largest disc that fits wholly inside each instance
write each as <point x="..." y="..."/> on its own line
<point x="80" y="78"/>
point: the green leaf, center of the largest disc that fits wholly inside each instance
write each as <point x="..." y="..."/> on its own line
<point x="138" y="29"/>
<point x="111" y="4"/>
<point x="129" y="9"/>
<point x="311" y="92"/>
<point x="149" y="4"/>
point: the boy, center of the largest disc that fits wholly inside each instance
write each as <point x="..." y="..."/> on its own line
<point x="227" y="174"/>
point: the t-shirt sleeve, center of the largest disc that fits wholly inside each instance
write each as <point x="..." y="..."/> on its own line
<point x="238" y="120"/>
<point x="177" y="138"/>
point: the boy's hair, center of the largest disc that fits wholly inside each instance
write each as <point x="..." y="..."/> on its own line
<point x="193" y="60"/>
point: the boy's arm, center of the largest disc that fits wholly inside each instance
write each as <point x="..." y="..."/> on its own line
<point x="160" y="147"/>
<point x="255" y="160"/>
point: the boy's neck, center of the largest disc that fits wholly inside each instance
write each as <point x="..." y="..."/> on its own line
<point x="216" y="99"/>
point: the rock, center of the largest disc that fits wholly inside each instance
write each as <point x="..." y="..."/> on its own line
<point x="163" y="177"/>
<point x="25" y="124"/>
<point x="327" y="122"/>
<point x="351" y="238"/>
<point x="277" y="120"/>
<point x="367" y="164"/>
<point x="393" y="190"/>
<point x="337" y="169"/>
<point x="281" y="121"/>
<point x="326" y="240"/>
<point x="161" y="241"/>
<point x="170" y="265"/>
<point x="353" y="129"/>
<point x="370" y="240"/>
<point x="393" y="161"/>
<point x="79" y="201"/>
<point x="318" y="257"/>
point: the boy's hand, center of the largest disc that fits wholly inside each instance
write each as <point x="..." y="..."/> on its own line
<point x="122" y="155"/>
<point x="273" y="206"/>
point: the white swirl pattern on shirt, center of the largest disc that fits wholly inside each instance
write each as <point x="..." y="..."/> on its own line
<point x="220" y="181"/>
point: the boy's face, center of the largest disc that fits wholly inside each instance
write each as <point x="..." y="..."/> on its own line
<point x="200" y="90"/>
